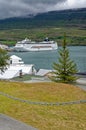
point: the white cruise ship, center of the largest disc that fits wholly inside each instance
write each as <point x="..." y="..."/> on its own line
<point x="28" y="45"/>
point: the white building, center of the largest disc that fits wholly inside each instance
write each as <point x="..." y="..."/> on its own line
<point x="17" y="67"/>
<point x="15" y="60"/>
<point x="43" y="72"/>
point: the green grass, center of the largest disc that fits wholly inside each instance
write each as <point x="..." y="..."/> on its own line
<point x="75" y="36"/>
<point x="25" y="77"/>
<point x="69" y="117"/>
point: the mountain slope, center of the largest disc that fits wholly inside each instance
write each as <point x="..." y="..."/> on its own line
<point x="72" y="17"/>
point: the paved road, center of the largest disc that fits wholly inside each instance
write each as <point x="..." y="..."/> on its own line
<point x="8" y="123"/>
<point x="81" y="82"/>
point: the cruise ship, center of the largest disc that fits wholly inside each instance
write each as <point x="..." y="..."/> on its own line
<point x="28" y="45"/>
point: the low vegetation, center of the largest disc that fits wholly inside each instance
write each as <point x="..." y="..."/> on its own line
<point x="68" y="117"/>
<point x="75" y="36"/>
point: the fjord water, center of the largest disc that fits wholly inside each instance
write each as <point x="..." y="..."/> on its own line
<point x="45" y="59"/>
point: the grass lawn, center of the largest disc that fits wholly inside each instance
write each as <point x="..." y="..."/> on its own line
<point x="26" y="77"/>
<point x="68" y="117"/>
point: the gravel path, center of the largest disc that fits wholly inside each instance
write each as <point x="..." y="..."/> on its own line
<point x="8" y="123"/>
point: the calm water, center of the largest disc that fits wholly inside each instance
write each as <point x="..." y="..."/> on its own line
<point x="45" y="59"/>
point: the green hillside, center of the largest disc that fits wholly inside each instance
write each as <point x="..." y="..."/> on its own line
<point x="75" y="36"/>
<point x="51" y="24"/>
<point x="68" y="18"/>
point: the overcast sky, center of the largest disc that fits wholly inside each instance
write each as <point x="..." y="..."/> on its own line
<point x="12" y="8"/>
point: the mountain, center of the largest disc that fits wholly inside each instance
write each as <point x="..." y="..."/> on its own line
<point x="69" y="18"/>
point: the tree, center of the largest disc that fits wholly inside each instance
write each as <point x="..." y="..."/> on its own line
<point x="65" y="70"/>
<point x="4" y="57"/>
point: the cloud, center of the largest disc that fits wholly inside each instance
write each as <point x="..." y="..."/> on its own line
<point x="75" y="4"/>
<point x="14" y="8"/>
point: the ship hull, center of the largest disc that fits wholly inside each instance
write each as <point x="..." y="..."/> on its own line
<point x="35" y="47"/>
